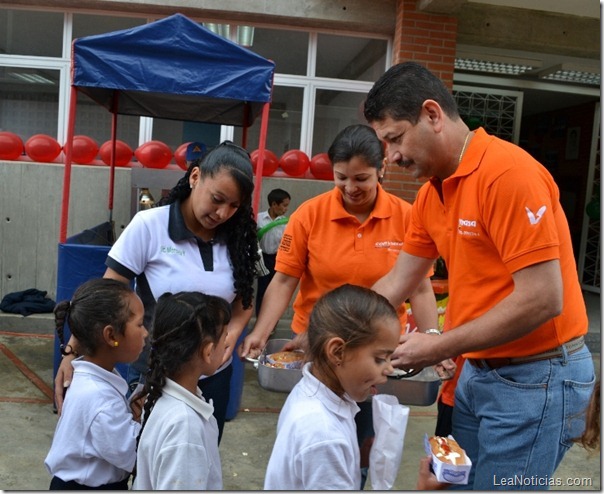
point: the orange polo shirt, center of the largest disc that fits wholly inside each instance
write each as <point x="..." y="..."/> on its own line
<point x="325" y="246"/>
<point x="500" y="213"/>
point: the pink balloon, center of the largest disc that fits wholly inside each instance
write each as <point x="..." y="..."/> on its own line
<point x="270" y="165"/>
<point x="84" y="149"/>
<point x="11" y="146"/>
<point x="294" y="162"/>
<point x="42" y="148"/>
<point x="154" y="154"/>
<point x="123" y="153"/>
<point x="320" y="166"/>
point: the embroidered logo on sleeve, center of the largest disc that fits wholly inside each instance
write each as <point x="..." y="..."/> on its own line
<point x="535" y="218"/>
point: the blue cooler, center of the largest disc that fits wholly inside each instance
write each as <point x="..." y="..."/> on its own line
<point x="78" y="263"/>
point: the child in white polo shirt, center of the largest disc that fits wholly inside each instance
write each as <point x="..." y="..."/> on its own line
<point x="94" y="445"/>
<point x="178" y="444"/>
<point x="352" y="333"/>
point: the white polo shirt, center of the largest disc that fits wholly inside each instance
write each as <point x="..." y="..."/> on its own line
<point x="95" y="439"/>
<point x="316" y="446"/>
<point x="178" y="449"/>
<point x="162" y="255"/>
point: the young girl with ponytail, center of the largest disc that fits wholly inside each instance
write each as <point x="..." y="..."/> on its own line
<point x="178" y="444"/>
<point x="94" y="445"/>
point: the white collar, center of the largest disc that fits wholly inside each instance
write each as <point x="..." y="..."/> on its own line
<point x="196" y="401"/>
<point x="311" y="386"/>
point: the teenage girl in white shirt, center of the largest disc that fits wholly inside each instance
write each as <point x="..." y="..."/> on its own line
<point x="178" y="443"/>
<point x="352" y="333"/>
<point x="94" y="445"/>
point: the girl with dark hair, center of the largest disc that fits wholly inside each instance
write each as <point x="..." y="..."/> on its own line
<point x="178" y="443"/>
<point x="94" y="445"/>
<point x="352" y="334"/>
<point x="203" y="240"/>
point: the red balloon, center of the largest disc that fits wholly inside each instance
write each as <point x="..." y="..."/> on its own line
<point x="154" y="154"/>
<point x="180" y="156"/>
<point x="11" y="146"/>
<point x="42" y="148"/>
<point x="294" y="162"/>
<point x="320" y="166"/>
<point x="270" y="165"/>
<point x="123" y="153"/>
<point x="84" y="149"/>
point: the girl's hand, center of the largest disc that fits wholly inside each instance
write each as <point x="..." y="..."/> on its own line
<point x="63" y="380"/>
<point x="427" y="480"/>
<point x="136" y="405"/>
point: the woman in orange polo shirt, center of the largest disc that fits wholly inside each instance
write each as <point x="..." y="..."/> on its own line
<point x="351" y="234"/>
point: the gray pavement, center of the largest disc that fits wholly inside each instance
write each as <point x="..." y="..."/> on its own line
<point x="28" y="422"/>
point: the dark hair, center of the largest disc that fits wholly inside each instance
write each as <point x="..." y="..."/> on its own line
<point x="590" y="439"/>
<point x="183" y="322"/>
<point x="278" y="196"/>
<point x="239" y="231"/>
<point x="349" y="312"/>
<point x="401" y="91"/>
<point x="357" y="140"/>
<point x="95" y="304"/>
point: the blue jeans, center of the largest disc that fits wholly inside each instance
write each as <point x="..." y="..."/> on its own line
<point x="517" y="422"/>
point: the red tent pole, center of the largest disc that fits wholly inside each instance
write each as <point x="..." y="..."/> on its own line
<point x="67" y="171"/>
<point x="246" y="116"/>
<point x="260" y="162"/>
<point x="113" y="153"/>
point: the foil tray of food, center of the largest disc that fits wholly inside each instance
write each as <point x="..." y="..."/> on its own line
<point x="411" y="388"/>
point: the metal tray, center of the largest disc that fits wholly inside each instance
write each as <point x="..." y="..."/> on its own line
<point x="274" y="379"/>
<point x="421" y="389"/>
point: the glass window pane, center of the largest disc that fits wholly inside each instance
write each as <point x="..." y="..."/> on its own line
<point x="284" y="124"/>
<point x="87" y="25"/>
<point x="25" y="32"/>
<point x="94" y="121"/>
<point x="335" y="110"/>
<point x="29" y="102"/>
<point x="288" y="49"/>
<point x="345" y="57"/>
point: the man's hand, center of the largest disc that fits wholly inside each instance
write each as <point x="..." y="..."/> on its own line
<point x="418" y="350"/>
<point x="63" y="380"/>
<point x="446" y="369"/>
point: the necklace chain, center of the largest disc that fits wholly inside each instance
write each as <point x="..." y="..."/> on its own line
<point x="463" y="149"/>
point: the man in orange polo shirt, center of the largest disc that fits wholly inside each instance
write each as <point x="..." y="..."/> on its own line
<point x="515" y="307"/>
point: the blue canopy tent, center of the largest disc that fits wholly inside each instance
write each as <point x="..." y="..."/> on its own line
<point x="173" y="68"/>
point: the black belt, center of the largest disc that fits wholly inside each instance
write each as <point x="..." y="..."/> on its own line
<point x="571" y="346"/>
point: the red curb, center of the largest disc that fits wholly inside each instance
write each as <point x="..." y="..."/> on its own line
<point x="27" y="372"/>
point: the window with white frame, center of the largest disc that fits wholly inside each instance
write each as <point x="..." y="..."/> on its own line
<point x="321" y="80"/>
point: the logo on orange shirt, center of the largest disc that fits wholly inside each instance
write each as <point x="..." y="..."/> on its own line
<point x="535" y="218"/>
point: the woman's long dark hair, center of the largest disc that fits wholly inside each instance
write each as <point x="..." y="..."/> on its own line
<point x="239" y="231"/>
